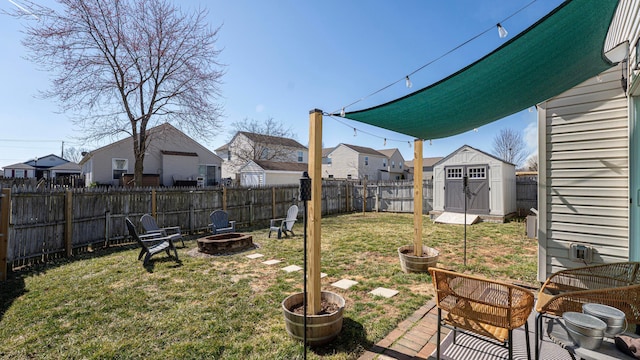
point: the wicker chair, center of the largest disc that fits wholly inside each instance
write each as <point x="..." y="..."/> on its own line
<point x="480" y="306"/>
<point x="615" y="284"/>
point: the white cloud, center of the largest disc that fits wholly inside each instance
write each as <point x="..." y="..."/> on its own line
<point x="259" y="108"/>
<point x="531" y="136"/>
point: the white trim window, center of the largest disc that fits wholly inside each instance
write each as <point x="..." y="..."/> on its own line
<point x="119" y="167"/>
<point x="300" y="156"/>
<point x="366" y="161"/>
<point x="477" y="172"/>
<point x="454" y="173"/>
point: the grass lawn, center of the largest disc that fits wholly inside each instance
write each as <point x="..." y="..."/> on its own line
<point x="108" y="306"/>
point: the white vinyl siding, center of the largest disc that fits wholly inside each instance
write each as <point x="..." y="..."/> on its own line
<point x="583" y="190"/>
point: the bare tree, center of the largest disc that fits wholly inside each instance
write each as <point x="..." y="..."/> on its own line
<point x="532" y="163"/>
<point x="509" y="146"/>
<point x="267" y="140"/>
<point x="123" y="66"/>
<point x="74" y="154"/>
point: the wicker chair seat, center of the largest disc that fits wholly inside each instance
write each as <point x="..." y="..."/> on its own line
<point x="480" y="306"/>
<point x="494" y="332"/>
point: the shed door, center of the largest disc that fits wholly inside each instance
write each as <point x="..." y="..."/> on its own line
<point x="478" y="189"/>
<point x="251" y="179"/>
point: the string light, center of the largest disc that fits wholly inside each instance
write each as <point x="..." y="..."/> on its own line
<point x="502" y="32"/>
<point x="430" y="142"/>
<point x="342" y="112"/>
<point x="501" y="29"/>
<point x="409" y="142"/>
<point x="355" y="132"/>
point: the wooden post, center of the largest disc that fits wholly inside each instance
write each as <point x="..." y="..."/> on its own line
<point x="364" y="195"/>
<point x="5" y="216"/>
<point x="273" y="203"/>
<point x="417" y="198"/>
<point x="224" y="198"/>
<point x="154" y="204"/>
<point x="314" y="209"/>
<point x="68" y="223"/>
<point x="107" y="228"/>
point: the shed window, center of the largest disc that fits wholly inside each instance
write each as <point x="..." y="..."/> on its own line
<point x="477" y="173"/>
<point x="454" y="173"/>
<point x="119" y="167"/>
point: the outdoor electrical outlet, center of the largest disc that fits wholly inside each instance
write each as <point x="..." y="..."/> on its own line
<point x="580" y="252"/>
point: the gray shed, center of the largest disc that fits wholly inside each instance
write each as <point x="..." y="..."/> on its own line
<point x="491" y="184"/>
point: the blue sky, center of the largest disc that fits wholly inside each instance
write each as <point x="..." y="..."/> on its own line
<point x="284" y="58"/>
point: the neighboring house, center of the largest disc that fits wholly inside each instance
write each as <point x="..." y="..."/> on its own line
<point x="246" y="146"/>
<point x="354" y="162"/>
<point x="48" y="167"/>
<point x="396" y="169"/>
<point x="491" y="184"/>
<point x="427" y="167"/>
<point x="589" y="161"/>
<point x="171" y="157"/>
<point x="265" y="173"/>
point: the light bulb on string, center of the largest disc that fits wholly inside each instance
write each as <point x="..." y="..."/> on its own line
<point x="355" y="132"/>
<point x="342" y="112"/>
<point x="407" y="82"/>
<point x="430" y="142"/>
<point x="409" y="142"/>
<point x="385" y="142"/>
<point x="502" y="32"/>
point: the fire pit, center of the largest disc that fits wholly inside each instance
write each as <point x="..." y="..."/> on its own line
<point x="225" y="243"/>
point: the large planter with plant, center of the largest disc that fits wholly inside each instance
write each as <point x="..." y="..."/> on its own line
<point x="410" y="263"/>
<point x="322" y="328"/>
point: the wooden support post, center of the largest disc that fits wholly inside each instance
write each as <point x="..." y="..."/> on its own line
<point x="364" y="195"/>
<point x="68" y="223"/>
<point x="273" y="203"/>
<point x="154" y="204"/>
<point x="5" y="217"/>
<point x="224" y="198"/>
<point x="107" y="228"/>
<point x="314" y="209"/>
<point x="417" y="198"/>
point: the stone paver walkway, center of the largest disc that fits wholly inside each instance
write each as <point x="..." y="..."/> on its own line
<point x="413" y="339"/>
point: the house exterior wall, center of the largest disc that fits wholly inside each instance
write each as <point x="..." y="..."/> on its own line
<point x="397" y="172"/>
<point x="583" y="171"/>
<point x="347" y="162"/>
<point x="99" y="167"/>
<point x="232" y="163"/>
<point x="178" y="167"/>
<point x="282" y="177"/>
<point x="502" y="180"/>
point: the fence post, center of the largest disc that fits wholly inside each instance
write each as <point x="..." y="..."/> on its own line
<point x="224" y="198"/>
<point x="192" y="218"/>
<point x="377" y="198"/>
<point x="107" y="227"/>
<point x="364" y="196"/>
<point x="5" y="212"/>
<point x="154" y="204"/>
<point x="273" y="203"/>
<point x="68" y="223"/>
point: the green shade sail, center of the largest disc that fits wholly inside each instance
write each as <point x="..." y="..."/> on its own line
<point x="558" y="52"/>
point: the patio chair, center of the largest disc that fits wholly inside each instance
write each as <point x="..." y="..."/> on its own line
<point x="151" y="243"/>
<point x="150" y="226"/>
<point x="615" y="284"/>
<point x="220" y="223"/>
<point x="486" y="309"/>
<point x="285" y="224"/>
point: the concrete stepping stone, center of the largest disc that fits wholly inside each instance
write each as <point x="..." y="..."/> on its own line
<point x="344" y="284"/>
<point x="292" y="268"/>
<point x="254" y="256"/>
<point x="384" y="292"/>
<point x="271" y="262"/>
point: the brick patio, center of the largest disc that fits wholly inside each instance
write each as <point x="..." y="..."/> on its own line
<point x="413" y="339"/>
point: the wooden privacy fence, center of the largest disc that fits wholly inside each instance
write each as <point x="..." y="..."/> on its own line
<point x="40" y="225"/>
<point x="526" y="195"/>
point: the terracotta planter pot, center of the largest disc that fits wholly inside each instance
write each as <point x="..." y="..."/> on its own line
<point x="321" y="329"/>
<point x="411" y="263"/>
